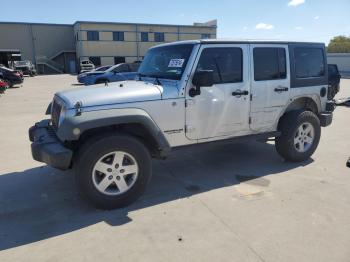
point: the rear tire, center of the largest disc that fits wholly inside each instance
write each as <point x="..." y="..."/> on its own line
<point x="112" y="171"/>
<point x="301" y="132"/>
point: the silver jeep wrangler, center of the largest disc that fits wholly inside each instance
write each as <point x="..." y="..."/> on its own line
<point x="186" y="93"/>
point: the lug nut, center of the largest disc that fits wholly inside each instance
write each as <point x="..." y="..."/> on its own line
<point x="118" y="177"/>
<point x="109" y="169"/>
<point x="122" y="171"/>
<point x="116" y="166"/>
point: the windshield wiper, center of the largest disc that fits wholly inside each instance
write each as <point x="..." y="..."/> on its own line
<point x="158" y="82"/>
<point x="141" y="75"/>
<point x="151" y="76"/>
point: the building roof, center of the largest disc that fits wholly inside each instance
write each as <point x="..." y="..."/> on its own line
<point x="210" y="24"/>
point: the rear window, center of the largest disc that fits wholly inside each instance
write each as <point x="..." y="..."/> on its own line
<point x="309" y="62"/>
<point x="269" y="63"/>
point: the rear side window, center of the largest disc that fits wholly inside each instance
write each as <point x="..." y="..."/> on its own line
<point x="227" y="64"/>
<point x="309" y="62"/>
<point x="122" y="68"/>
<point x="269" y="63"/>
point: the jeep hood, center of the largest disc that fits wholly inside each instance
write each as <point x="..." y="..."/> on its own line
<point x="113" y="93"/>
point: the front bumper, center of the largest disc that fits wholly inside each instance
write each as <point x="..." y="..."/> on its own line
<point x="47" y="148"/>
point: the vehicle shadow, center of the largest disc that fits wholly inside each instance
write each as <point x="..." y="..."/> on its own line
<point x="42" y="202"/>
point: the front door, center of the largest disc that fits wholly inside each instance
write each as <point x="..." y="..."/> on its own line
<point x="222" y="109"/>
<point x="270" y="84"/>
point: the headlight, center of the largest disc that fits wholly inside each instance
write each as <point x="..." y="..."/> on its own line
<point x="62" y="116"/>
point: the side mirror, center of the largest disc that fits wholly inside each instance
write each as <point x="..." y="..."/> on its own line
<point x="200" y="79"/>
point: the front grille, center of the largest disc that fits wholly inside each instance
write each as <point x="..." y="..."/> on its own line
<point x="55" y="113"/>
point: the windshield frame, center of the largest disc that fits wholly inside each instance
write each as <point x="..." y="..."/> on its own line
<point x="187" y="54"/>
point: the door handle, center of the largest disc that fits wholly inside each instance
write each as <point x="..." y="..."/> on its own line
<point x="240" y="93"/>
<point x="281" y="89"/>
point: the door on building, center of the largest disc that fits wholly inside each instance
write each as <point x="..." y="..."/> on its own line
<point x="270" y="84"/>
<point x="72" y="67"/>
<point x="222" y="109"/>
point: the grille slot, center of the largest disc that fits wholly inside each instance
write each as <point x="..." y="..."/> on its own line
<point x="55" y="114"/>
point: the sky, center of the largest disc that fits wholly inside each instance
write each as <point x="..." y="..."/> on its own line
<point x="300" y="20"/>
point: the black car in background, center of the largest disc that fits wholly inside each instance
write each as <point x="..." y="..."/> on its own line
<point x="12" y="77"/>
<point x="333" y="80"/>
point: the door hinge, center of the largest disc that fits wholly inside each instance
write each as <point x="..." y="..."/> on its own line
<point x="250" y="120"/>
<point x="251" y="97"/>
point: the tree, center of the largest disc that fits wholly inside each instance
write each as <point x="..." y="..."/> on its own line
<point x="339" y="44"/>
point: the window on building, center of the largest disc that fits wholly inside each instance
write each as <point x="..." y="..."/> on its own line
<point x="269" y="63"/>
<point x="227" y="64"/>
<point x="309" y="62"/>
<point x="119" y="60"/>
<point x="118" y="36"/>
<point x="93" y="36"/>
<point x="144" y="37"/>
<point x="205" y="36"/>
<point x="159" y="37"/>
<point x="96" y="60"/>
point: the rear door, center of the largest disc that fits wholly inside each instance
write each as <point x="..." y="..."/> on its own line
<point x="270" y="84"/>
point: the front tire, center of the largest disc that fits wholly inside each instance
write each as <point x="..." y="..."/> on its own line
<point x="113" y="171"/>
<point x="301" y="132"/>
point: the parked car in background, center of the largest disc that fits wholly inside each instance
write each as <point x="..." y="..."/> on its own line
<point x="333" y="80"/>
<point x="119" y="72"/>
<point x="11" y="77"/>
<point x="86" y="65"/>
<point x="100" y="69"/>
<point x="26" y="67"/>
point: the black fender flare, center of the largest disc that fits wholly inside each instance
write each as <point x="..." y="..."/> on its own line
<point x="73" y="127"/>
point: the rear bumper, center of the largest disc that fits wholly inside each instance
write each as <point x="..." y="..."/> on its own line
<point x="326" y="118"/>
<point x="47" y="148"/>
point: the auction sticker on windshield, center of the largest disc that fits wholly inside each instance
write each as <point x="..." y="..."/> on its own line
<point x="176" y="62"/>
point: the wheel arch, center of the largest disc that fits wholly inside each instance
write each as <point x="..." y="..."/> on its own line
<point x="135" y="122"/>
<point x="309" y="103"/>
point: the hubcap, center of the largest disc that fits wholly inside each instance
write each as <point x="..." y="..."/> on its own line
<point x="115" y="173"/>
<point x="304" y="137"/>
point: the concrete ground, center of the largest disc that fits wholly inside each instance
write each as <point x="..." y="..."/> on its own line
<point x="233" y="202"/>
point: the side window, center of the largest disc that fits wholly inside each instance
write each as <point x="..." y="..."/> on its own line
<point x="269" y="63"/>
<point x="122" y="68"/>
<point x="93" y="36"/>
<point x="227" y="64"/>
<point x="309" y="62"/>
<point x="134" y="67"/>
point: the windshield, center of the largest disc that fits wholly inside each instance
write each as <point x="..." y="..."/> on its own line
<point x="166" y="62"/>
<point x="102" y="68"/>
